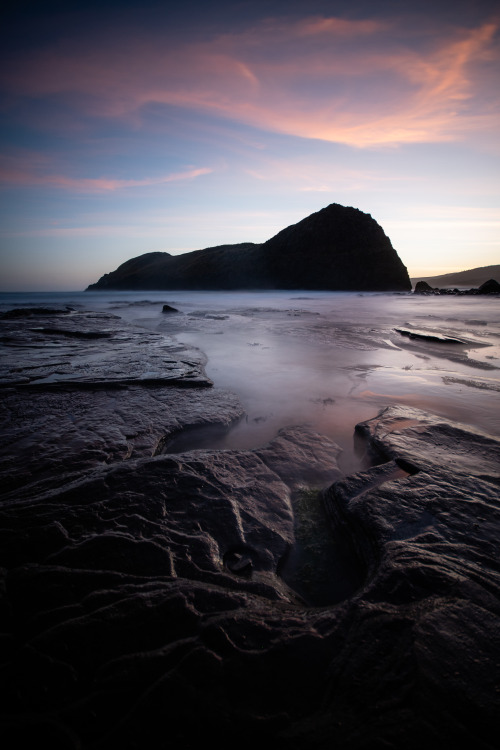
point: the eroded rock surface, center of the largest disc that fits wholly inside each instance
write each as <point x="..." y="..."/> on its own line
<point x="89" y="349"/>
<point x="148" y="599"/>
<point x="70" y="403"/>
<point x="425" y="521"/>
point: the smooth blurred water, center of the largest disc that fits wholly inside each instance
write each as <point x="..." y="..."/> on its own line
<point x="326" y="359"/>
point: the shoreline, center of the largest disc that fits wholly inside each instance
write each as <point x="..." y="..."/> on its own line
<point x="255" y="594"/>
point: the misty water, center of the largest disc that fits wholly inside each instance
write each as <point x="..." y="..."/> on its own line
<point x="325" y="359"/>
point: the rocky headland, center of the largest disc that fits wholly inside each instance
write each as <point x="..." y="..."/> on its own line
<point x="152" y="599"/>
<point x="338" y="248"/>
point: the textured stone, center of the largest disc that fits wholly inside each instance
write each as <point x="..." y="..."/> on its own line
<point x="145" y="598"/>
<point x="237" y="596"/>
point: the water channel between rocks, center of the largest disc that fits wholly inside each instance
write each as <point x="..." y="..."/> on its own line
<point x="330" y="361"/>
<point x="307" y="365"/>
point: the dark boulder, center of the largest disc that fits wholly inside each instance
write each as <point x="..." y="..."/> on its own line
<point x="422" y="287"/>
<point x="489" y="287"/>
<point x="338" y="248"/>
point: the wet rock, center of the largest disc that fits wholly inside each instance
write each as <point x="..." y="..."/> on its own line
<point x="71" y="333"/>
<point x="433" y="443"/>
<point x="69" y="404"/>
<point x="428" y="336"/>
<point x="60" y="432"/>
<point x="28" y="312"/>
<point x="96" y="350"/>
<point x="149" y="576"/>
<point x="143" y="595"/>
<point x="489" y="287"/>
<point x="304" y="463"/>
<point x="425" y="523"/>
<point x="239" y="562"/>
<point x="169" y="309"/>
<point x="422" y="287"/>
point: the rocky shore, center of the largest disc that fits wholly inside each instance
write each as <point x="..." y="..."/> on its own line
<point x="488" y="287"/>
<point x="152" y="599"/>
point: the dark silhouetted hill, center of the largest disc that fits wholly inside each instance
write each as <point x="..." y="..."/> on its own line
<point x="474" y="277"/>
<point x="338" y="248"/>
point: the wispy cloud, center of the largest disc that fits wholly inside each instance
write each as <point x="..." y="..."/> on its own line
<point x="18" y="172"/>
<point x="358" y="82"/>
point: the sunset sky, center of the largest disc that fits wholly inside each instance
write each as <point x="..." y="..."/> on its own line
<point x="127" y="128"/>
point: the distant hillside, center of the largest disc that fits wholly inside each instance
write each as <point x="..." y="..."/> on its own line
<point x="474" y="277"/>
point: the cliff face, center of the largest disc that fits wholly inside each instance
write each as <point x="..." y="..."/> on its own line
<point x="338" y="248"/>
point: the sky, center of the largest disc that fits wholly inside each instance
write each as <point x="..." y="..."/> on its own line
<point x="127" y="128"/>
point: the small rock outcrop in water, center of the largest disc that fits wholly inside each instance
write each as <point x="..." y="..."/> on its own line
<point x="489" y="287"/>
<point x="337" y="248"/>
<point x="422" y="287"/>
<point x="435" y="337"/>
<point x="29" y="312"/>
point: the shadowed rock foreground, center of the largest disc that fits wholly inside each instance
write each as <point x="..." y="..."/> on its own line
<point x="337" y="248"/>
<point x="158" y="600"/>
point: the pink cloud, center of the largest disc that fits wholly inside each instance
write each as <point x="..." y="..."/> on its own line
<point x="24" y="173"/>
<point x="359" y="82"/>
<point x="340" y="27"/>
